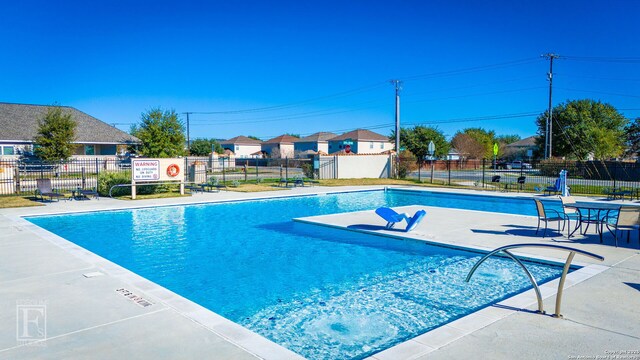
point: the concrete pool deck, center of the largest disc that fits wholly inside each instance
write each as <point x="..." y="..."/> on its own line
<point x="96" y="309"/>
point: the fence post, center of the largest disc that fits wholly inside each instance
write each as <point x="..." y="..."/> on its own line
<point x="483" y="168"/>
<point x="449" y="170"/>
<point x="84" y="179"/>
<point x="615" y="170"/>
<point x="257" y="170"/>
<point x="97" y="170"/>
<point x="286" y="169"/>
<point x="224" y="178"/>
<point x="419" y="166"/>
<point x="431" y="161"/>
<point x="17" y="177"/>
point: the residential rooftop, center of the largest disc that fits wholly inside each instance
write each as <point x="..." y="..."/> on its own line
<point x="20" y="123"/>
<point x="360" y="135"/>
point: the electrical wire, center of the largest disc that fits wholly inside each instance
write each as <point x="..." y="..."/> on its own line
<point x="471" y="69"/>
<point x="436" y="121"/>
<point x="597" y="92"/>
<point x="294" y="104"/>
<point x="628" y="60"/>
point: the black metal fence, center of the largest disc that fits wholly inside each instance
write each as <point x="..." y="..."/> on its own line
<point x="588" y="177"/>
<point x="584" y="177"/>
<point x="19" y="177"/>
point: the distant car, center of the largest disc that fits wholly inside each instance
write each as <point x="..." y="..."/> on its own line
<point x="29" y="162"/>
<point x="500" y="165"/>
<point x="512" y="165"/>
<point x="124" y="160"/>
<point x="519" y="165"/>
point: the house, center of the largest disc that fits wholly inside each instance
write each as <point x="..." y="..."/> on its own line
<point x="313" y="143"/>
<point x="453" y="154"/>
<point x="522" y="149"/>
<point x="242" y="146"/>
<point x="280" y="146"/>
<point x="360" y="141"/>
<point x="19" y="127"/>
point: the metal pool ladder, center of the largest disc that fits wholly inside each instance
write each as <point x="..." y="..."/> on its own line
<point x="567" y="265"/>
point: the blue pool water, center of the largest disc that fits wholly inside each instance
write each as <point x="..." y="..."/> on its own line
<point x="321" y="292"/>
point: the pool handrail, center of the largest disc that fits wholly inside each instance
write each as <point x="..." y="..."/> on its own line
<point x="147" y="183"/>
<point x="565" y="270"/>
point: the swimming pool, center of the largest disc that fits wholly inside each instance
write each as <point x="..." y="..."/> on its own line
<point x="317" y="292"/>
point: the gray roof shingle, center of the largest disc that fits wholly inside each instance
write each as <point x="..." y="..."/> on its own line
<point x="241" y="140"/>
<point x="19" y="122"/>
<point x="360" y="135"/>
<point x="319" y="136"/>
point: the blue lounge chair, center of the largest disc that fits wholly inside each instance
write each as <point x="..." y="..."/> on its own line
<point x="555" y="188"/>
<point x="392" y="217"/>
<point x="415" y="220"/>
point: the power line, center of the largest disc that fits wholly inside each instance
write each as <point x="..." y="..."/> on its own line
<point x="292" y="116"/>
<point x="476" y="94"/>
<point x="600" y="92"/>
<point x="628" y="60"/>
<point x="440" y="90"/>
<point x="371" y="87"/>
<point x="596" y="77"/>
<point x="294" y="104"/>
<point x="320" y="113"/>
<point x="436" y="122"/>
<point x="471" y="69"/>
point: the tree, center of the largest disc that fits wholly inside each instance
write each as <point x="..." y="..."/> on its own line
<point x="467" y="146"/>
<point x="161" y="133"/>
<point x="507" y="139"/>
<point x="254" y="137"/>
<point x="583" y="128"/>
<point x="483" y="137"/>
<point x="294" y="135"/>
<point x="203" y="147"/>
<point x="56" y="131"/>
<point x="417" y="139"/>
<point x="632" y="132"/>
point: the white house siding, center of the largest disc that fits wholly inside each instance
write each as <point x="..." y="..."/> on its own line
<point x="242" y="150"/>
<point x="373" y="147"/>
<point x="361" y="147"/>
<point x="286" y="150"/>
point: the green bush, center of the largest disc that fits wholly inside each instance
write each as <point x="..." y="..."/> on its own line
<point x="403" y="169"/>
<point x="307" y="169"/>
<point x="108" y="179"/>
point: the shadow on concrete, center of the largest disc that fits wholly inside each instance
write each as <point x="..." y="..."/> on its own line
<point x="633" y="285"/>
<point x="372" y="227"/>
<point x="499" y="306"/>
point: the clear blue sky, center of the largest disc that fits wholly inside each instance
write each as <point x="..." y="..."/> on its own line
<point x="309" y="66"/>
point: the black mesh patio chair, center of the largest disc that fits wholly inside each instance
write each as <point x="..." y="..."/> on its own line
<point x="521" y="181"/>
<point x="44" y="189"/>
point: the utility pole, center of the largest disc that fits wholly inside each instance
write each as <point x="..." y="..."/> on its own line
<point x="397" y="84"/>
<point x="548" y="151"/>
<point x="188" y="138"/>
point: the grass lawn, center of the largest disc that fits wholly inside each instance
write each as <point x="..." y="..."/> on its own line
<point x="18" y="201"/>
<point x="253" y="188"/>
